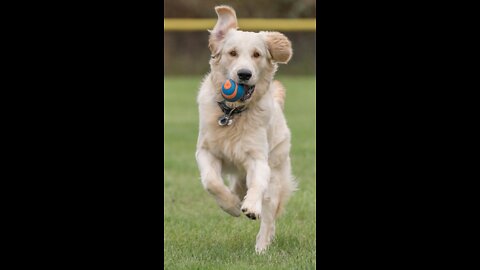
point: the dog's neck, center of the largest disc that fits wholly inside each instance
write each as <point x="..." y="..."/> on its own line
<point x="230" y="110"/>
<point x="228" y="113"/>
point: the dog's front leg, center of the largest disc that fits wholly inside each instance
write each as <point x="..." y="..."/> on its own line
<point x="210" y="171"/>
<point x="258" y="176"/>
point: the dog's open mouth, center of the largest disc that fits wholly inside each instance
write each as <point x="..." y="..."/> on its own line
<point x="249" y="92"/>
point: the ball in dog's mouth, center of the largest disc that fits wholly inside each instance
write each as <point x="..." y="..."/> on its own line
<point x="233" y="91"/>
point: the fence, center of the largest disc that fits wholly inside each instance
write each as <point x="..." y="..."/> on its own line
<point x="244" y="24"/>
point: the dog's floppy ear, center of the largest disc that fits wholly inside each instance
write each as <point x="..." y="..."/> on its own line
<point x="279" y="46"/>
<point x="227" y="19"/>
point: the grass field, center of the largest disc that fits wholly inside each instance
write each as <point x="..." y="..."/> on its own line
<point x="197" y="233"/>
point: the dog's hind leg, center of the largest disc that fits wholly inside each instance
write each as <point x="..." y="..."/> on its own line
<point x="210" y="171"/>
<point x="279" y="190"/>
<point x="269" y="208"/>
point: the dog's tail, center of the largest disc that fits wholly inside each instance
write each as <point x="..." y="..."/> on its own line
<point x="279" y="93"/>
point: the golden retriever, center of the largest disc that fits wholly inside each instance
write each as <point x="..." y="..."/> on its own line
<point x="246" y="141"/>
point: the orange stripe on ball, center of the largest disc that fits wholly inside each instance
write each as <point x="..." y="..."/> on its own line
<point x="233" y="94"/>
<point x="227" y="84"/>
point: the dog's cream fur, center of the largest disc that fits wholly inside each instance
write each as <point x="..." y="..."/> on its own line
<point x="253" y="152"/>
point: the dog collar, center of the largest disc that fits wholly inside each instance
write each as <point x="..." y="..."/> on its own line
<point x="228" y="113"/>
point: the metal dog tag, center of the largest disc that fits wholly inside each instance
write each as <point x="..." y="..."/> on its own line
<point x="224" y="121"/>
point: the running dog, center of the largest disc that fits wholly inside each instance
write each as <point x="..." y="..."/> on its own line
<point x="246" y="141"/>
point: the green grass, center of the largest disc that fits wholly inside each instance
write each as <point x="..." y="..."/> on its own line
<point x="197" y="233"/>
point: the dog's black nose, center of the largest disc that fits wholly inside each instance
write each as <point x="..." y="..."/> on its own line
<point x="244" y="74"/>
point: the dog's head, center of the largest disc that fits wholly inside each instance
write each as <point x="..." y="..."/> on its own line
<point x="246" y="57"/>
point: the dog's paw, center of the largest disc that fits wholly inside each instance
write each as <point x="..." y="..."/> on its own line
<point x="264" y="238"/>
<point x="231" y="206"/>
<point x="252" y="209"/>
<point x="260" y="248"/>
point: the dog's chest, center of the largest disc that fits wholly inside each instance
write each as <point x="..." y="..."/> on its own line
<point x="236" y="144"/>
<point x="228" y="142"/>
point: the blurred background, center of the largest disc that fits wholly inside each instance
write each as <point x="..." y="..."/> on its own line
<point x="180" y="47"/>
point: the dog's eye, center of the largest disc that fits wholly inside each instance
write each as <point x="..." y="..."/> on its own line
<point x="256" y="54"/>
<point x="233" y="53"/>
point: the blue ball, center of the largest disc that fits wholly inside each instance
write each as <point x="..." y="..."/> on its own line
<point x="232" y="91"/>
